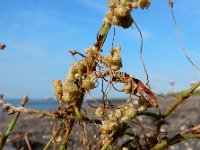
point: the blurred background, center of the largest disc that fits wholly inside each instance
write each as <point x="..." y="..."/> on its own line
<point x="38" y="35"/>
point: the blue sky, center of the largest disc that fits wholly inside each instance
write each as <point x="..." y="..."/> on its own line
<point x="39" y="33"/>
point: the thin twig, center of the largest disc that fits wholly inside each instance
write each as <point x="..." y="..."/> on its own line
<point x="141" y="56"/>
<point x="179" y="37"/>
<point x="11" y="126"/>
<point x="7" y="106"/>
<point x="27" y="141"/>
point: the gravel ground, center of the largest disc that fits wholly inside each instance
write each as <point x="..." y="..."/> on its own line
<point x="39" y="130"/>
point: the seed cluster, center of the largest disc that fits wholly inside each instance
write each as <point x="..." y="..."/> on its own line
<point x="76" y="82"/>
<point x="120" y="11"/>
<point x="112" y="60"/>
<point x="119" y="117"/>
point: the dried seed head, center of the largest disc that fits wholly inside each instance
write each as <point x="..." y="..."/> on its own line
<point x="105" y="127"/>
<point x="121" y="11"/>
<point x="89" y="83"/>
<point x="116" y="21"/>
<point x="138" y="103"/>
<point x="127" y="87"/>
<point x="134" y="5"/>
<point x="91" y="50"/>
<point x="116" y="50"/>
<point x="58" y="89"/>
<point x="100" y="112"/>
<point x="66" y="98"/>
<point x="70" y="88"/>
<point x="144" y="3"/>
<point x="114" y="61"/>
<point x="70" y="77"/>
<point x="112" y="116"/>
<point x="69" y="99"/>
<point x="126" y="21"/>
<point x="112" y="3"/>
<point x="81" y="67"/>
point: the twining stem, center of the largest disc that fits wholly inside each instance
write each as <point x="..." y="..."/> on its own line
<point x="10" y="128"/>
<point x="180" y="100"/>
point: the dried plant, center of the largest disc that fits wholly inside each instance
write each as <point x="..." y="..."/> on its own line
<point x="2" y="46"/>
<point x="111" y="122"/>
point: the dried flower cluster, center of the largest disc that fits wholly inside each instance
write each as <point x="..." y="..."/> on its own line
<point x="119" y="118"/>
<point x="110" y="121"/>
<point x="76" y="82"/>
<point x="120" y="11"/>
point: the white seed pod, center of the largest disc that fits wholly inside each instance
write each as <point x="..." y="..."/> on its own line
<point x="121" y="11"/>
